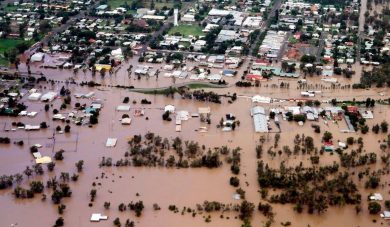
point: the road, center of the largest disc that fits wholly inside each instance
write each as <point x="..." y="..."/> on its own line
<point x="163" y="28"/>
<point x="60" y="29"/>
<point x="321" y="45"/>
<point x="264" y="26"/>
<point x="363" y="9"/>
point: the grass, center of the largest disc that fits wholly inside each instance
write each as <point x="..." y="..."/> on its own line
<point x="10" y="8"/>
<point x="386" y="18"/>
<point x="157" y="5"/>
<point x="199" y="85"/>
<point x="187" y="30"/>
<point x="7" y="45"/>
<point x="165" y="91"/>
<point x="186" y="44"/>
<point x="117" y="3"/>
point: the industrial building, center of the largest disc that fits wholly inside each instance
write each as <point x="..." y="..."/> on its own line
<point x="260" y="120"/>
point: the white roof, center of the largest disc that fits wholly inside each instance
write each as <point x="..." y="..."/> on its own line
<point x="259" y="119"/>
<point x="49" y="96"/>
<point x="169" y="108"/>
<point x="123" y="108"/>
<point x="261" y="99"/>
<point x="34" y="96"/>
<point x="98" y="217"/>
<point x="37" y="57"/>
<point x="43" y="160"/>
<point x="126" y="121"/>
<point x="111" y="142"/>
<point x="376" y="196"/>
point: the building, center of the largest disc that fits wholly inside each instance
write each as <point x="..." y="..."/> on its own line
<point x="188" y="18"/>
<point x="175" y="15"/>
<point x="259" y="119"/>
<point x="225" y="35"/>
<point x="199" y="44"/>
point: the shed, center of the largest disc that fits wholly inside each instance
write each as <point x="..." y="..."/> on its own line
<point x="204" y="110"/>
<point x="123" y="108"/>
<point x="126" y="121"/>
<point x="37" y="57"/>
<point x="169" y="108"/>
<point x="98" y="217"/>
<point x="259" y="119"/>
<point x="376" y="197"/>
<point x="48" y="97"/>
<point x="43" y="160"/>
<point x="111" y="142"/>
<point x="261" y="99"/>
<point x="34" y="96"/>
<point x="385" y="215"/>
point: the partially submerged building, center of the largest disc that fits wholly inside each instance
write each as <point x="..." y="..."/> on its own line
<point x="260" y="120"/>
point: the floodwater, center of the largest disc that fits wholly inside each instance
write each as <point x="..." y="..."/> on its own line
<point x="180" y="187"/>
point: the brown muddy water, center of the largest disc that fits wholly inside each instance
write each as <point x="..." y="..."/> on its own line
<point x="181" y="187"/>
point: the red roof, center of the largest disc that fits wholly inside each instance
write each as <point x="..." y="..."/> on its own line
<point x="255" y="77"/>
<point x="261" y="61"/>
<point x="352" y="109"/>
<point x="330" y="143"/>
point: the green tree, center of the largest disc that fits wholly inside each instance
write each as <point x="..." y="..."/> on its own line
<point x="374" y="207"/>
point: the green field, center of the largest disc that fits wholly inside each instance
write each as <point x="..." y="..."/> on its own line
<point x="157" y="5"/>
<point x="11" y="8"/>
<point x="7" y="45"/>
<point x="386" y="18"/>
<point x="117" y="3"/>
<point x="186" y="30"/>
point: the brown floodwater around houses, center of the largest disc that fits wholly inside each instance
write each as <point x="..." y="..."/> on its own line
<point x="181" y="187"/>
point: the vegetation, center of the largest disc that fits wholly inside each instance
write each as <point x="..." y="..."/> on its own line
<point x="186" y="30"/>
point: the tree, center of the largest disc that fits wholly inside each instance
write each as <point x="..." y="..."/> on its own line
<point x="384" y="126"/>
<point x="334" y="102"/>
<point x="36" y="186"/>
<point x="350" y="140"/>
<point x="28" y="172"/>
<point x="67" y="128"/>
<point x="117" y="222"/>
<point x="234" y="181"/>
<point x="368" y="102"/>
<point x="375" y="129"/>
<point x="59" y="222"/>
<point x="93" y="119"/>
<point x="364" y="129"/>
<point x="92" y="194"/>
<point x="59" y="155"/>
<point x="61" y="208"/>
<point x="374" y="207"/>
<point x="57" y="196"/>
<point x="44" y="26"/>
<point x="79" y="165"/>
<point x="246" y="210"/>
<point x="327" y="136"/>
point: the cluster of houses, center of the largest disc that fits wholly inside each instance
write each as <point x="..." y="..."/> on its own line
<point x="374" y="48"/>
<point x="302" y="113"/>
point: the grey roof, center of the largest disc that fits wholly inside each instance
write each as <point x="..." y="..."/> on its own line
<point x="259" y="119"/>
